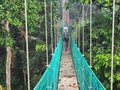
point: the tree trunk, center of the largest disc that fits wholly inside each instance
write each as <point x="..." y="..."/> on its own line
<point x="8" y="60"/>
<point x="8" y="65"/>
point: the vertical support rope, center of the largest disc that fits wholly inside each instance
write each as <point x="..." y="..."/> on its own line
<point x="83" y="32"/>
<point x="112" y="57"/>
<point x="62" y="12"/>
<point x="90" y="33"/>
<point x="51" y="31"/>
<point x="55" y="31"/>
<point x="76" y="35"/>
<point x="90" y="40"/>
<point x="46" y="41"/>
<point x="27" y="51"/>
<point x="79" y="33"/>
<point x="57" y="34"/>
<point x="46" y="33"/>
<point x="69" y="17"/>
<point x="62" y="15"/>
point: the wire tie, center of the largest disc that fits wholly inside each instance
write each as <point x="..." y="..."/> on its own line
<point x="47" y="65"/>
<point x="90" y="66"/>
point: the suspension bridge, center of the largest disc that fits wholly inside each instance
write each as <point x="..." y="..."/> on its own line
<point x="68" y="71"/>
<point x="62" y="74"/>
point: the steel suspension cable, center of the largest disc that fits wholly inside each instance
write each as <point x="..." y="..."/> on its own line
<point x="46" y="33"/>
<point x="83" y="31"/>
<point x="90" y="33"/>
<point x="27" y="50"/>
<point x="112" y="51"/>
<point x="51" y="31"/>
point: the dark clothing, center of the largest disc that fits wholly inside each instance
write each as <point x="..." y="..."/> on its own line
<point x="65" y="39"/>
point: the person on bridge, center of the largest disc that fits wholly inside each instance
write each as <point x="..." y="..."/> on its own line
<point x="66" y="38"/>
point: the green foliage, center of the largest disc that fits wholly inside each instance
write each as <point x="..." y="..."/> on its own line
<point x="34" y="11"/>
<point x="9" y="42"/>
<point x="4" y="88"/>
<point x="13" y="12"/>
<point x="2" y="66"/>
<point x="118" y="77"/>
<point x="66" y="5"/>
<point x="6" y="40"/>
<point x="35" y="79"/>
<point x="3" y="34"/>
<point x="40" y="47"/>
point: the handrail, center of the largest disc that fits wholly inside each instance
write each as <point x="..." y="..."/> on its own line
<point x="87" y="80"/>
<point x="49" y="80"/>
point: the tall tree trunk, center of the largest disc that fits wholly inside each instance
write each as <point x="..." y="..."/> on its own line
<point x="8" y="60"/>
<point x="8" y="66"/>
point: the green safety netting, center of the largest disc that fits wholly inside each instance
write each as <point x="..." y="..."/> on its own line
<point x="49" y="80"/>
<point x="85" y="76"/>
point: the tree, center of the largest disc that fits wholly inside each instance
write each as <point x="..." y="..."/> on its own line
<point x="7" y="19"/>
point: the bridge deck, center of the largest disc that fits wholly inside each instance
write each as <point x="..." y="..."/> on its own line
<point x="67" y="77"/>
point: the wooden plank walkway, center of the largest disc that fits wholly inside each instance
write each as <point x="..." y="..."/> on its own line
<point x="67" y="77"/>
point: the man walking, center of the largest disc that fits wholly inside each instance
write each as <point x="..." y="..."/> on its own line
<point x="66" y="38"/>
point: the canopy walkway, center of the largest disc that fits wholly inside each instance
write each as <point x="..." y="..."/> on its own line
<point x="72" y="67"/>
<point x="60" y="73"/>
<point x="67" y="76"/>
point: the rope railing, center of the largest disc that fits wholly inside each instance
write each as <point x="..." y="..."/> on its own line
<point x="87" y="80"/>
<point x="49" y="80"/>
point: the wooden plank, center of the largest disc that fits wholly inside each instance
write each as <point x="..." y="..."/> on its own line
<point x="67" y="76"/>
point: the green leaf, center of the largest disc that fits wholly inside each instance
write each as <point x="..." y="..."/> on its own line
<point x="99" y="1"/>
<point x="107" y="74"/>
<point x="118" y="77"/>
<point x="40" y="47"/>
<point x="87" y="1"/>
<point x="10" y="42"/>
